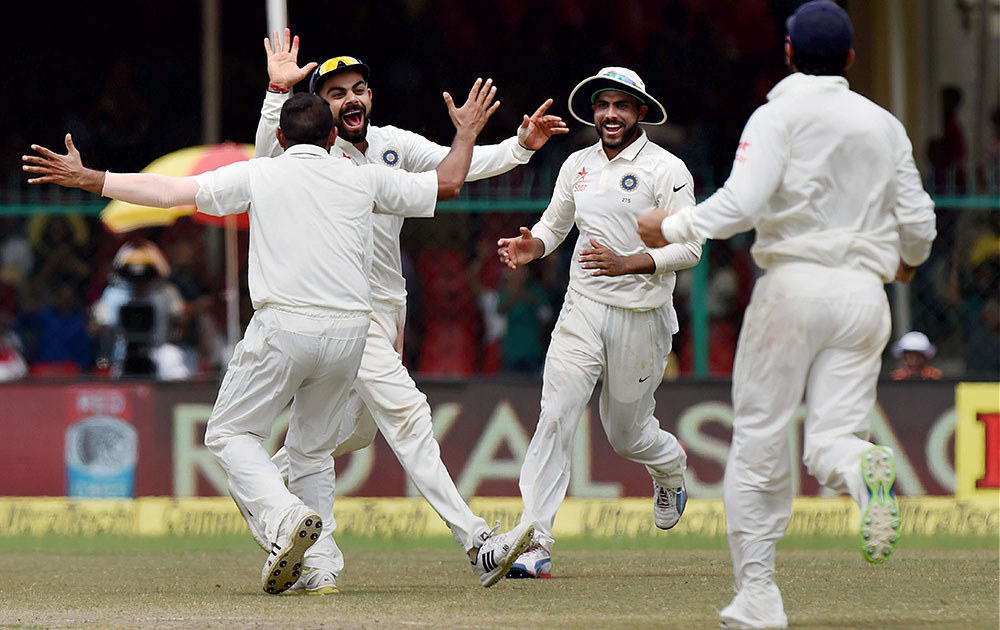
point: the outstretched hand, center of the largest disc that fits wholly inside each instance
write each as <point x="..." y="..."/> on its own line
<point x="282" y="60"/>
<point x="66" y="170"/>
<point x="472" y="116"/>
<point x="536" y="129"/>
<point x="519" y="250"/>
<point x="649" y="228"/>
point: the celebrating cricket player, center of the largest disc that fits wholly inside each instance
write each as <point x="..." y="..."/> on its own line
<point x="618" y="316"/>
<point x="827" y="179"/>
<point x="309" y="260"/>
<point x="384" y="394"/>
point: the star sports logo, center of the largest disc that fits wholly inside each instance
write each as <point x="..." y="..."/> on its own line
<point x="740" y="150"/>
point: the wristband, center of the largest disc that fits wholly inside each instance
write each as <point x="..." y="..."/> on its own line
<point x="271" y="87"/>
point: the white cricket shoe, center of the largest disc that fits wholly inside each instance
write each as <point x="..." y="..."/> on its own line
<point x="880" y="515"/>
<point x="499" y="551"/>
<point x="759" y="608"/>
<point x="535" y="562"/>
<point x="668" y="505"/>
<point x="314" y="582"/>
<point x="299" y="529"/>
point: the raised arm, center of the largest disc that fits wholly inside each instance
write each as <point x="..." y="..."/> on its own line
<point x="492" y="159"/>
<point x="145" y="189"/>
<point x="469" y="120"/>
<point x="283" y="72"/>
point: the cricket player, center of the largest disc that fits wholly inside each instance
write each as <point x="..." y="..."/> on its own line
<point x="309" y="259"/>
<point x="384" y="394"/>
<point x="827" y="179"/>
<point x="618" y="316"/>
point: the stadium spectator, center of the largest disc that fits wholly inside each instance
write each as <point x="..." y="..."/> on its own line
<point x="197" y="333"/>
<point x="915" y="351"/>
<point x="16" y="254"/>
<point x="61" y="332"/>
<point x="523" y="301"/>
<point x="12" y="363"/>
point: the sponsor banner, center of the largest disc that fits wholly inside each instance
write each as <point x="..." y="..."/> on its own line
<point x="482" y="426"/>
<point x="413" y="518"/>
<point x="977" y="440"/>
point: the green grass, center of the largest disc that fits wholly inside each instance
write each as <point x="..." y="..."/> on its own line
<point x="610" y="584"/>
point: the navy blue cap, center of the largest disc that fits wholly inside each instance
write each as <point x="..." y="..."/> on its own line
<point x="820" y="28"/>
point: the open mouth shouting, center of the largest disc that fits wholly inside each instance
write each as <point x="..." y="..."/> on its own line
<point x="353" y="123"/>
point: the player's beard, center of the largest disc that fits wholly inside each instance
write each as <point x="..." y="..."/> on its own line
<point x="353" y="135"/>
<point x="628" y="134"/>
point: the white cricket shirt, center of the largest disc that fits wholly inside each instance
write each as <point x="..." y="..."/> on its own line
<point x="605" y="199"/>
<point x="398" y="149"/>
<point x="825" y="176"/>
<point x="311" y="222"/>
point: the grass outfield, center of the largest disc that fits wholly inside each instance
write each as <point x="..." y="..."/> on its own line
<point x="647" y="582"/>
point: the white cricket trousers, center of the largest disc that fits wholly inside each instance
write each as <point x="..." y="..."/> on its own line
<point x="630" y="349"/>
<point x="384" y="396"/>
<point x="312" y="354"/>
<point x="808" y="328"/>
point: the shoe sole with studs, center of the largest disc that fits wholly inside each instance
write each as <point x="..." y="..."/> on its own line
<point x="880" y="523"/>
<point x="287" y="564"/>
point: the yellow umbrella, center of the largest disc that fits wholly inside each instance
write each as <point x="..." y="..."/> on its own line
<point x="119" y="216"/>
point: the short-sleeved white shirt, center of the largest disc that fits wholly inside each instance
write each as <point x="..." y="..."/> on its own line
<point x="311" y="222"/>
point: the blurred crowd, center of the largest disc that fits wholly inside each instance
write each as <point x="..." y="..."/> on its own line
<point x="75" y="298"/>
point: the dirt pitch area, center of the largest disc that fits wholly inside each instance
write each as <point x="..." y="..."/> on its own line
<point x="214" y="583"/>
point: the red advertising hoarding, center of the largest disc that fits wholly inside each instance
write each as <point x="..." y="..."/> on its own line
<point x="483" y="428"/>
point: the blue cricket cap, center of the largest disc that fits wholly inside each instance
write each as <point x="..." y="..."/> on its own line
<point x="820" y="28"/>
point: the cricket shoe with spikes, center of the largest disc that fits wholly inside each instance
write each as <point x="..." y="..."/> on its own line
<point x="314" y="582"/>
<point x="535" y="562"/>
<point x="668" y="505"/>
<point x="499" y="551"/>
<point x="299" y="529"/>
<point x="880" y="517"/>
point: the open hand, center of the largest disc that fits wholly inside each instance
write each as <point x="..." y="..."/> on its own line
<point x="66" y="170"/>
<point x="519" y="250"/>
<point x="649" y="228"/>
<point x="536" y="129"/>
<point x="472" y="116"/>
<point x="282" y="60"/>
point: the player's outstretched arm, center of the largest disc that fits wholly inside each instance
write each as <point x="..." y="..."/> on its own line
<point x="146" y="189"/>
<point x="283" y="69"/>
<point x="536" y="129"/>
<point x="520" y="250"/>
<point x="469" y="120"/>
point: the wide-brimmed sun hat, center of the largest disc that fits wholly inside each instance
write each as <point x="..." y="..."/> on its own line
<point x="914" y="342"/>
<point x="619" y="80"/>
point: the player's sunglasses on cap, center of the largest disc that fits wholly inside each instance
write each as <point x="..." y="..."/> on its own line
<point x="336" y="64"/>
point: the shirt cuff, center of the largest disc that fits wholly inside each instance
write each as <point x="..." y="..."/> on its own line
<point x="659" y="259"/>
<point x="678" y="227"/>
<point x="273" y="101"/>
<point x="521" y="154"/>
<point x="549" y="240"/>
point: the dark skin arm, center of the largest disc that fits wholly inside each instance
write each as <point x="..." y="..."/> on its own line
<point x="607" y="263"/>
<point x="469" y="120"/>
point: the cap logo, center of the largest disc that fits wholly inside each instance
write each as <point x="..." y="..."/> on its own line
<point x="624" y="79"/>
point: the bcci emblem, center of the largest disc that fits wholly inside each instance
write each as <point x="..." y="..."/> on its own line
<point x="629" y="182"/>
<point x="391" y="157"/>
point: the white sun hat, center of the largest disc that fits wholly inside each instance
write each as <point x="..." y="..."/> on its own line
<point x="914" y="342"/>
<point x="619" y="80"/>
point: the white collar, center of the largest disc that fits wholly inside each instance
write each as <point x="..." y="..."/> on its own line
<point x="798" y="81"/>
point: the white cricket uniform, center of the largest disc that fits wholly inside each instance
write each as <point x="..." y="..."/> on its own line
<point x="384" y="394"/>
<point x="309" y="260"/>
<point x="827" y="179"/>
<point x="620" y="327"/>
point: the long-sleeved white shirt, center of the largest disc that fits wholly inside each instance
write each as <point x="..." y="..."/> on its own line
<point x="824" y="175"/>
<point x="398" y="149"/>
<point x="311" y="222"/>
<point x="605" y="200"/>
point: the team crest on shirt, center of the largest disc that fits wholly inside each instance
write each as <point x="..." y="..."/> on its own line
<point x="390" y="157"/>
<point x="629" y="182"/>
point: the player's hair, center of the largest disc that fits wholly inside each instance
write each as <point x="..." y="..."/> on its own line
<point x="821" y="66"/>
<point x="306" y="119"/>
